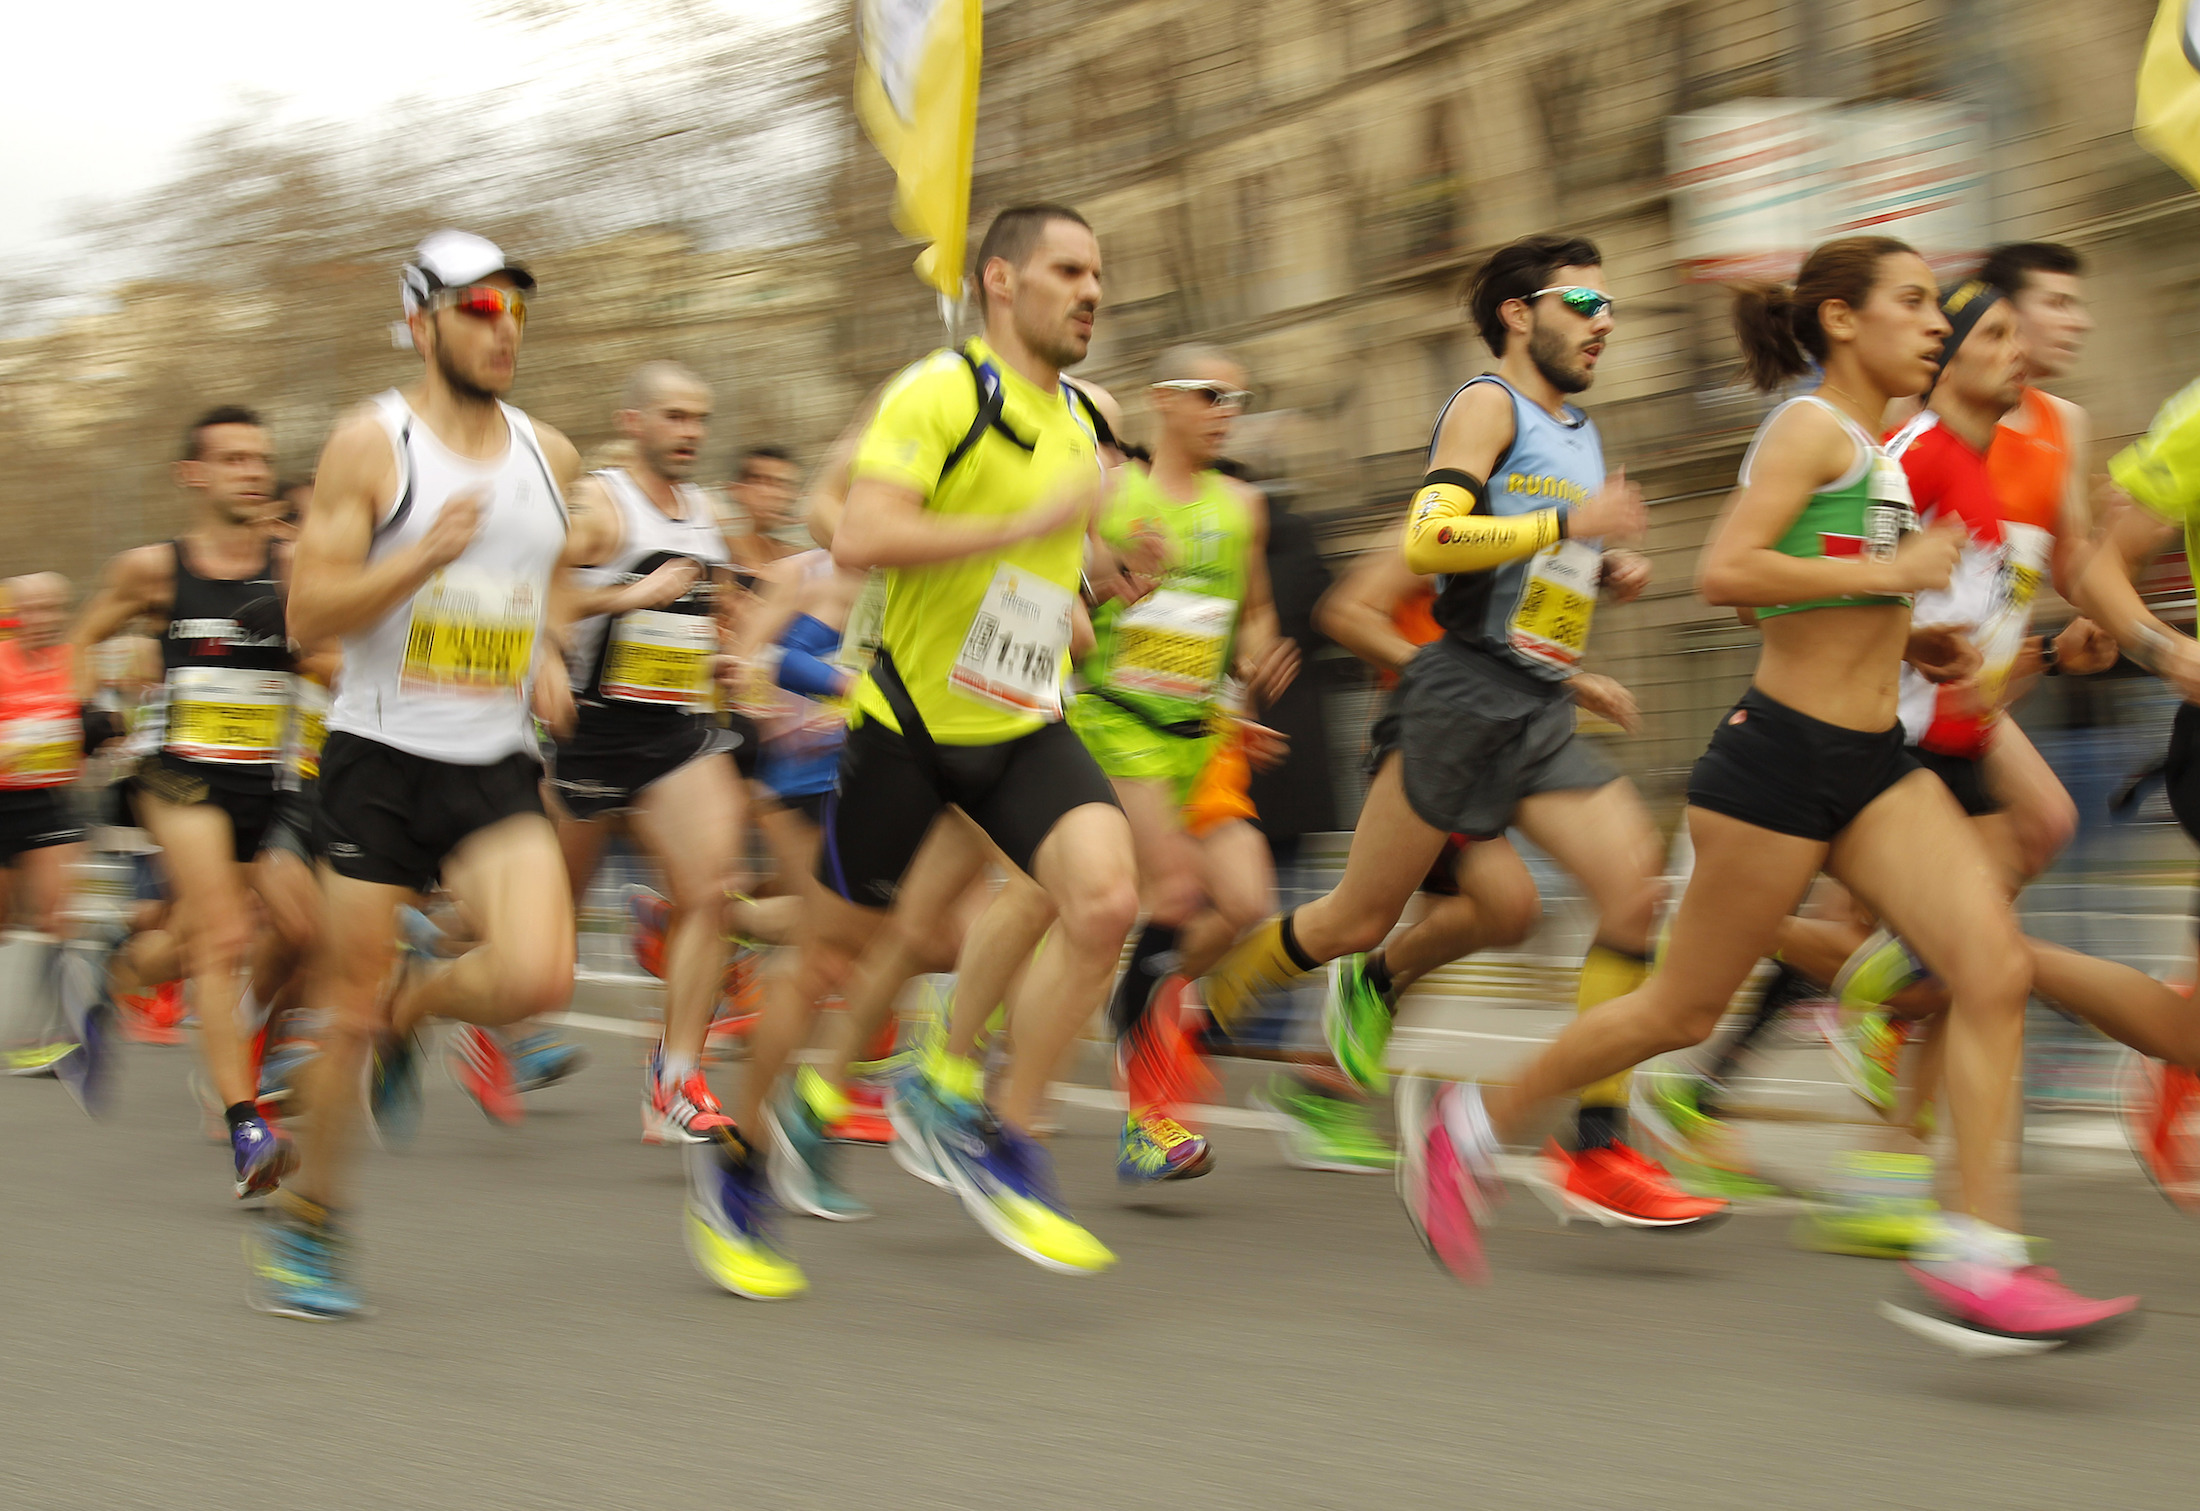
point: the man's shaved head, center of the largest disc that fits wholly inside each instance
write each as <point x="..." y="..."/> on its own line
<point x="1191" y="359"/>
<point x="42" y="587"/>
<point x="651" y="379"/>
<point x="39" y="601"/>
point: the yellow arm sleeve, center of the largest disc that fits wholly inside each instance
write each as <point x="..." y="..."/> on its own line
<point x="1444" y="534"/>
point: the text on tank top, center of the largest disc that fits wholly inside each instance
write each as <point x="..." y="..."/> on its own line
<point x="659" y="657"/>
<point x="1864" y="513"/>
<point x="226" y="691"/>
<point x="41" y="732"/>
<point x="1533" y="612"/>
<point x="447" y="673"/>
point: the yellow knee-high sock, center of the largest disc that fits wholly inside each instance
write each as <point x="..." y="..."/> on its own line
<point x="1268" y="957"/>
<point x="1607" y="973"/>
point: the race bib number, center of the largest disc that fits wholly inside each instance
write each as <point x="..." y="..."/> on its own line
<point x="1012" y="655"/>
<point x="1891" y="514"/>
<point x="40" y="752"/>
<point x="1172" y="643"/>
<point x="866" y="623"/>
<point x="656" y="657"/>
<point x="1551" y="624"/>
<point x="308" y="729"/>
<point x="472" y="633"/>
<point x="228" y="716"/>
<point x="2025" y="553"/>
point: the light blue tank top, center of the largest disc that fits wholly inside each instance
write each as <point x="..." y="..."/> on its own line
<point x="1534" y="612"/>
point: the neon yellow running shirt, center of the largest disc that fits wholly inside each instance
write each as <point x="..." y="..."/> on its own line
<point x="2161" y="469"/>
<point x="981" y="642"/>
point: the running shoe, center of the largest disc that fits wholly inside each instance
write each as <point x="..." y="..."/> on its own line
<point x="1157" y="1147"/>
<point x="155" y="1017"/>
<point x="263" y="1155"/>
<point x="1356" y="1021"/>
<point x="913" y="1106"/>
<point x="1618" y="1187"/>
<point x="1877" y="969"/>
<point x="280" y="1069"/>
<point x="684" y="1114"/>
<point x="1448" y="1178"/>
<point x="1322" y="1132"/>
<point x="1867" y="1048"/>
<point x="479" y="1067"/>
<point x="1006" y="1182"/>
<point x="804" y="1166"/>
<point x="730" y="1220"/>
<point x="1701" y="1149"/>
<point x="866" y="1121"/>
<point x="39" y="1059"/>
<point x="301" y="1270"/>
<point x="2160" y="1105"/>
<point x="393" y="1089"/>
<point x="1886" y="1231"/>
<point x="1983" y="1311"/>
<point x="540" y="1058"/>
<point x="89" y="1071"/>
<point x="648" y="916"/>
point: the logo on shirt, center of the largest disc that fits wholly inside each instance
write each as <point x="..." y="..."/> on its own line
<point x="1537" y="485"/>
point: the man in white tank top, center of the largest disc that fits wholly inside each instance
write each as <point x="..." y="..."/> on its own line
<point x="437" y="534"/>
<point x="646" y="646"/>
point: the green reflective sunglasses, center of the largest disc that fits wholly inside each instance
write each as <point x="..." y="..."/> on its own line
<point x="1585" y="302"/>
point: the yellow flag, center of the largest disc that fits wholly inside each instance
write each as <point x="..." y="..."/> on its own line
<point x="2168" y="122"/>
<point x="917" y="95"/>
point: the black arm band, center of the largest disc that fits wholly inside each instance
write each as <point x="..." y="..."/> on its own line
<point x="1457" y="479"/>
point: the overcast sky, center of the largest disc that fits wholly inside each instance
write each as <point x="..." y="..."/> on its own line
<point x="99" y="103"/>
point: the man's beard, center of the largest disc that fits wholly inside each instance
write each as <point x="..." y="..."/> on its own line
<point x="1058" y="347"/>
<point x="461" y="385"/>
<point x="1548" y="351"/>
<point x="665" y="465"/>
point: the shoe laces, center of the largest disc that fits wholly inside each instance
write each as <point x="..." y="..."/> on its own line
<point x="1163" y="1129"/>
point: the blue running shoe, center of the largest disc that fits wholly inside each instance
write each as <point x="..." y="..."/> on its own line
<point x="263" y="1156"/>
<point x="1006" y="1182"/>
<point x="88" y="1069"/>
<point x="298" y="1270"/>
<point x="729" y="1223"/>
<point x="913" y="1106"/>
<point x="540" y="1058"/>
<point x="805" y="1164"/>
<point x="393" y="1089"/>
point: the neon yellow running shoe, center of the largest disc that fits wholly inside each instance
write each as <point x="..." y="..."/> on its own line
<point x="38" y="1059"/>
<point x="729" y="1225"/>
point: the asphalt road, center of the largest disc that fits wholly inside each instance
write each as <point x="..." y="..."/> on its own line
<point x="1272" y="1339"/>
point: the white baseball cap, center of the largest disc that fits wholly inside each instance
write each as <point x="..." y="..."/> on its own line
<point x="453" y="259"/>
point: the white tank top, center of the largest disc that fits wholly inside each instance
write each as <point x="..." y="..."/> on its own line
<point x="447" y="673"/>
<point x="664" y="651"/>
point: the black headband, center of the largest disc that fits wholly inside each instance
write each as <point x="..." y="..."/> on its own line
<point x="1964" y="309"/>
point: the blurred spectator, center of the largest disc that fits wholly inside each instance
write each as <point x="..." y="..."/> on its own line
<point x="1297" y="797"/>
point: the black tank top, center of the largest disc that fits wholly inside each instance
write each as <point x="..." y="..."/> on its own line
<point x="203" y="631"/>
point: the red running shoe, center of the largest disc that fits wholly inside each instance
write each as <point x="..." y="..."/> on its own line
<point x="481" y="1069"/>
<point x="1619" y="1188"/>
<point x="648" y="916"/>
<point x="155" y="1018"/>
<point x="866" y="1122"/>
<point x="2161" y="1111"/>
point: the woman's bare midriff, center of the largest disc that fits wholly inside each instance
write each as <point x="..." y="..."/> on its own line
<point x="1840" y="665"/>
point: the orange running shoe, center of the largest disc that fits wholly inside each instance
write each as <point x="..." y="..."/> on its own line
<point x="155" y="1018"/>
<point x="2161" y="1111"/>
<point x="1619" y="1188"/>
<point x="866" y="1121"/>
<point x="648" y="916"/>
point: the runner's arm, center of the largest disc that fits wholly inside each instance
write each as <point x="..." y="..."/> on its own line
<point x="1439" y="537"/>
<point x="826" y="500"/>
<point x="2074" y="541"/>
<point x="886" y="524"/>
<point x="1356" y="613"/>
<point x="135" y="582"/>
<point x="1267" y="660"/>
<point x="2105" y="592"/>
<point x="335" y="590"/>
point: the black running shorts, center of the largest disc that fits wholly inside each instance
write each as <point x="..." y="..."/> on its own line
<point x="2181" y="769"/>
<point x="390" y="817"/>
<point x="247" y="795"/>
<point x="1475" y="736"/>
<point x="36" y="818"/>
<point x="594" y="775"/>
<point x="1785" y="771"/>
<point x="889" y="794"/>
<point x="1965" y="776"/>
<point x="292" y="831"/>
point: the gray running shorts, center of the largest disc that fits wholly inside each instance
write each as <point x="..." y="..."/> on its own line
<point x="1476" y="736"/>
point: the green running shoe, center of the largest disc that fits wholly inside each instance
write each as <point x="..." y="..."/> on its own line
<point x="1878" y="1206"/>
<point x="1881" y="966"/>
<point x="1320" y="1132"/>
<point x="1356" y="1022"/>
<point x="1701" y="1149"/>
<point x="1867" y="1048"/>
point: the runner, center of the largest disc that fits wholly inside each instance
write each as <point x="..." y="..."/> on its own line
<point x="766" y="488"/>
<point x="972" y="489"/>
<point x="44" y="734"/>
<point x="205" y="789"/>
<point x="1479" y="734"/>
<point x="1152" y="714"/>
<point x="1808" y="773"/>
<point x="437" y="529"/>
<point x="643" y="658"/>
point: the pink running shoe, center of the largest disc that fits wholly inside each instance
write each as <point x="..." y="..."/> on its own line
<point x="1447" y="1191"/>
<point x="1985" y="1312"/>
<point x="481" y="1069"/>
